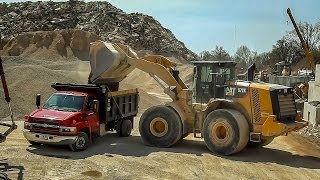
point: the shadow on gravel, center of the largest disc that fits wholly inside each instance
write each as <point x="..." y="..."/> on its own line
<point x="111" y="145"/>
<point x="5" y="168"/>
<point x="267" y="155"/>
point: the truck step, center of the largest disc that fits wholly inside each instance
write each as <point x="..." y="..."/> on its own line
<point x="255" y="137"/>
<point x="196" y="133"/>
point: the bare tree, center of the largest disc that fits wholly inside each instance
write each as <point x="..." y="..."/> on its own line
<point x="220" y="54"/>
<point x="243" y="55"/>
<point x="310" y="33"/>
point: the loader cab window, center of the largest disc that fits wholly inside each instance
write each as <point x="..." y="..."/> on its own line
<point x="226" y="73"/>
<point x="206" y="73"/>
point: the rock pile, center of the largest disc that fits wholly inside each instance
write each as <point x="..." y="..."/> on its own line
<point x="51" y="45"/>
<point x="140" y="31"/>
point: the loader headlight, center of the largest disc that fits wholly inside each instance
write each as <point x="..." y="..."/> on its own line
<point x="68" y="129"/>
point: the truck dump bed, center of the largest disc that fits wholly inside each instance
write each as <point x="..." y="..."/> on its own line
<point x="113" y="105"/>
<point x="122" y="104"/>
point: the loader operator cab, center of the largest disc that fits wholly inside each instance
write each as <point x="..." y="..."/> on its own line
<point x="210" y="79"/>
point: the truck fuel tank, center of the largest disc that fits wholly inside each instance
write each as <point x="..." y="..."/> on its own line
<point x="109" y="62"/>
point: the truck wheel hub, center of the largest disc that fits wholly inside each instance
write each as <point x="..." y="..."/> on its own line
<point x="159" y="127"/>
<point x="80" y="142"/>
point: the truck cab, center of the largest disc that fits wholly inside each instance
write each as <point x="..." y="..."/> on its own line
<point x="75" y="114"/>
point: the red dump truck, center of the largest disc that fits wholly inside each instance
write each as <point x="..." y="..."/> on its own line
<point x="75" y="114"/>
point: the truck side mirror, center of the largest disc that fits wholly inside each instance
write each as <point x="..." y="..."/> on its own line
<point x="95" y="105"/>
<point x="38" y="100"/>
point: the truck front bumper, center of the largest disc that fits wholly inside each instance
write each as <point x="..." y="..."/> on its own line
<point x="48" y="138"/>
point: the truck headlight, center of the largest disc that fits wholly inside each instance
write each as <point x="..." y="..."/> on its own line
<point x="68" y="129"/>
<point x="27" y="125"/>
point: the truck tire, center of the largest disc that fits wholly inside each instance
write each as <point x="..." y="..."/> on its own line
<point x="81" y="143"/>
<point x="226" y="131"/>
<point x="124" y="128"/>
<point x="160" y="126"/>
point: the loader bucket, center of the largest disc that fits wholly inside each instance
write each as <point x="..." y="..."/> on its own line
<point x="109" y="62"/>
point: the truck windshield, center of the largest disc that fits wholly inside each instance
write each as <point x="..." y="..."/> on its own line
<point x="63" y="102"/>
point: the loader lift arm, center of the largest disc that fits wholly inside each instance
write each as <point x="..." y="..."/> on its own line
<point x="158" y="67"/>
<point x="11" y="126"/>
<point x="303" y="42"/>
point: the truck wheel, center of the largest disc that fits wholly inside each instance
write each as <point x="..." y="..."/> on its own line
<point x="124" y="128"/>
<point x="81" y="143"/>
<point x="160" y="126"/>
<point x="263" y="142"/>
<point x="226" y="131"/>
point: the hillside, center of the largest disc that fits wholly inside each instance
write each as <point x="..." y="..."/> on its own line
<point x="141" y="32"/>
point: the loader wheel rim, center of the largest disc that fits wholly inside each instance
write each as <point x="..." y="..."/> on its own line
<point x="221" y="132"/>
<point x="159" y="127"/>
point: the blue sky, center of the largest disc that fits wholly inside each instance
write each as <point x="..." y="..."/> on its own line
<point x="203" y="24"/>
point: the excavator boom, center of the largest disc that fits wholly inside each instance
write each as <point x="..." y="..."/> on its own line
<point x="303" y="42"/>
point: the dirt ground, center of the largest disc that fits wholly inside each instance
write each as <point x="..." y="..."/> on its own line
<point x="112" y="157"/>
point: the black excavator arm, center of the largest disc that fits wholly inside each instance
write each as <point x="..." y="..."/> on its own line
<point x="11" y="126"/>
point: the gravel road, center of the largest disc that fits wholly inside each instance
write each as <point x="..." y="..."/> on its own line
<point x="111" y="157"/>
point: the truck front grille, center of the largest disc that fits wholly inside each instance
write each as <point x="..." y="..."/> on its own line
<point x="45" y="127"/>
<point x="44" y="121"/>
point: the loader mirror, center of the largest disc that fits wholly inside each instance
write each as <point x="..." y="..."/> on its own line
<point x="95" y="105"/>
<point x="38" y="100"/>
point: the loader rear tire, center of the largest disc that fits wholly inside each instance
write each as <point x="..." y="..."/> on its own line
<point x="226" y="131"/>
<point x="160" y="126"/>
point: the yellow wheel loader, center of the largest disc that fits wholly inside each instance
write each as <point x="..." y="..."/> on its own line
<point x="249" y="112"/>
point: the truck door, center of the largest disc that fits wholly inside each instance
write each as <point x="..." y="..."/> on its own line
<point x="92" y="117"/>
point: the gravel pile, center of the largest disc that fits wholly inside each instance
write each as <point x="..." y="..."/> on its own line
<point x="313" y="132"/>
<point x="140" y="31"/>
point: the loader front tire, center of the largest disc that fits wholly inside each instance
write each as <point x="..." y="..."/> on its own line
<point x="160" y="126"/>
<point x="226" y="131"/>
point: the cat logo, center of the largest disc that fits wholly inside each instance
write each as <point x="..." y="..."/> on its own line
<point x="230" y="91"/>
